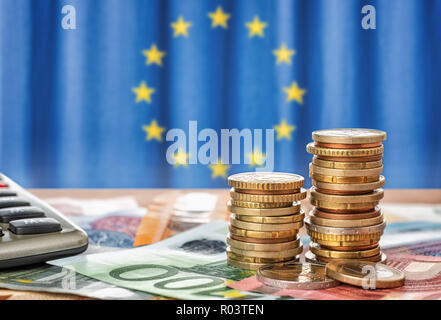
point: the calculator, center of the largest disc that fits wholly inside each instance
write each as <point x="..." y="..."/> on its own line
<point x="31" y="231"/>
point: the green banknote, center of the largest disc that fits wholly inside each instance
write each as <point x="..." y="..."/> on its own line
<point x="191" y="265"/>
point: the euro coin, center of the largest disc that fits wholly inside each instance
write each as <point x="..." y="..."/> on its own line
<point x="268" y="192"/>
<point x="346" y="223"/>
<point x="249" y="259"/>
<point x="288" y="253"/>
<point x="343" y="180"/>
<point x="263" y="241"/>
<point x="293" y="208"/>
<point x="343" y="207"/>
<point x="268" y="198"/>
<point x="375" y="195"/>
<point x="262" y="234"/>
<point x="358" y="248"/>
<point x="345" y="231"/>
<point x="264" y="226"/>
<point x="250" y="266"/>
<point x="318" y="237"/>
<point x="346" y="146"/>
<point x="343" y="172"/>
<point x="247" y="246"/>
<point x="349" y="136"/>
<point x="346" y="165"/>
<point x="346" y="216"/>
<point x="342" y="193"/>
<point x="353" y="159"/>
<point x="300" y="276"/>
<point x="350" y="186"/>
<point x="327" y="253"/>
<point x="313" y="257"/>
<point x="351" y="245"/>
<point x="272" y="220"/>
<point x="260" y="205"/>
<point x="266" y="181"/>
<point x="362" y="274"/>
<point x="311" y="148"/>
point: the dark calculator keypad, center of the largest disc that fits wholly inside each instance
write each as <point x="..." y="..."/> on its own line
<point x="15" y="213"/>
<point x="34" y="226"/>
<point x="9" y="202"/>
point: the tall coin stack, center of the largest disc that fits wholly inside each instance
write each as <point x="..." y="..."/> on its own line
<point x="265" y="218"/>
<point x="346" y="222"/>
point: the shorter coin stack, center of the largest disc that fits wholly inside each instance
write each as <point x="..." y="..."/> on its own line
<point x="265" y="218"/>
<point x="346" y="222"/>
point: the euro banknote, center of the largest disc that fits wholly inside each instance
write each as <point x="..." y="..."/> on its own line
<point x="190" y="265"/>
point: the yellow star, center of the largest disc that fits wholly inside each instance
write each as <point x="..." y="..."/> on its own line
<point x="143" y="92"/>
<point x="219" y="18"/>
<point x="154" y="55"/>
<point x="219" y="169"/>
<point x="180" y="27"/>
<point x="294" y="93"/>
<point x="283" y="54"/>
<point x="284" y="130"/>
<point x="181" y="158"/>
<point x="257" y="158"/>
<point x="256" y="27"/>
<point x="153" y="131"/>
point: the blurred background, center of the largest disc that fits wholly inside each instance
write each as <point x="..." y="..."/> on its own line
<point x="90" y="106"/>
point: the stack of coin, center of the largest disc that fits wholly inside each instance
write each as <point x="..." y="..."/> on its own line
<point x="265" y="218"/>
<point x="346" y="222"/>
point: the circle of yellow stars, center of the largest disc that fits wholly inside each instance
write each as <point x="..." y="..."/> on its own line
<point x="219" y="18"/>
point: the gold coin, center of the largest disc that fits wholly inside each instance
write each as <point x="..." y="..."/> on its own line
<point x="359" y="248"/>
<point x="375" y="195"/>
<point x="281" y="219"/>
<point x="343" y="180"/>
<point x="263" y="241"/>
<point x="250" y="266"/>
<point x="346" y="146"/>
<point x="359" y="231"/>
<point x="346" y="165"/>
<point x="354" y="159"/>
<point x="317" y="236"/>
<point x="249" y="259"/>
<point x="288" y="253"/>
<point x="279" y="198"/>
<point x="346" y="216"/>
<point x="260" y="205"/>
<point x="267" y="191"/>
<point x="290" y="210"/>
<point x="246" y="246"/>
<point x="350" y="186"/>
<point x="314" y="169"/>
<point x="266" y="181"/>
<point x="346" y="244"/>
<point x="349" y="136"/>
<point x="311" y="148"/>
<point x="264" y="226"/>
<point x="309" y="256"/>
<point x="327" y="205"/>
<point x="262" y="234"/>
<point x="346" y="223"/>
<point x="323" y="252"/>
<point x="380" y="276"/>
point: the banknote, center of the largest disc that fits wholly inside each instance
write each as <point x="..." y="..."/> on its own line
<point x="427" y="248"/>
<point x="108" y="222"/>
<point x="175" y="211"/>
<point x="190" y="265"/>
<point x="423" y="281"/>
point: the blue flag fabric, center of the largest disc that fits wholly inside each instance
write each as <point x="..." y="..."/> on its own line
<point x="91" y="106"/>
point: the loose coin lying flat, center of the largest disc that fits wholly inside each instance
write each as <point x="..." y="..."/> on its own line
<point x="247" y="246"/>
<point x="265" y="181"/>
<point x="350" y="186"/>
<point x="288" y="253"/>
<point x="362" y="273"/>
<point x="268" y="198"/>
<point x="343" y="172"/>
<point x="256" y="212"/>
<point x="277" y="219"/>
<point x="349" y="136"/>
<point x="264" y="226"/>
<point x="375" y="195"/>
<point x="302" y="276"/>
<point x="318" y="151"/>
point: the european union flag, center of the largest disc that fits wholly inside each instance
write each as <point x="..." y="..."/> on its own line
<point x="90" y="90"/>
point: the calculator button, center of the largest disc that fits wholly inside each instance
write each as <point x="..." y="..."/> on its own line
<point x="3" y="185"/>
<point x="9" y="202"/>
<point x="7" y="193"/>
<point x="9" y="214"/>
<point x="34" y="226"/>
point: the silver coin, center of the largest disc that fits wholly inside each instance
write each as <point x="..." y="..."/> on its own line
<point x="295" y="275"/>
<point x="345" y="231"/>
